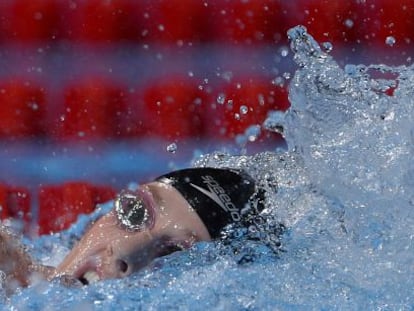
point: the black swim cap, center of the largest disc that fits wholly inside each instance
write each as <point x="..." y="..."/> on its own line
<point x="219" y="196"/>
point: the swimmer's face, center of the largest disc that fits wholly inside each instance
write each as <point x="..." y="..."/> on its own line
<point x="113" y="248"/>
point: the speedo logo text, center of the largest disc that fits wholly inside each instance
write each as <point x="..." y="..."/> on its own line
<point x="216" y="193"/>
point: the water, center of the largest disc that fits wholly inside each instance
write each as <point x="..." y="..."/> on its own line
<point x="344" y="190"/>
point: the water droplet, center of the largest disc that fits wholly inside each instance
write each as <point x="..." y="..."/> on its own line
<point x="327" y="46"/>
<point x="228" y="75"/>
<point x="172" y="148"/>
<point x="253" y="133"/>
<point x="221" y="98"/>
<point x="284" y="51"/>
<point x="34" y="106"/>
<point x="261" y="99"/>
<point x="349" y="23"/>
<point x="278" y="81"/>
<point x="390" y="40"/>
<point x="244" y="109"/>
<point x="286" y="75"/>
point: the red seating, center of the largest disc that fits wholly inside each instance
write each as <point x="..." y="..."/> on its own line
<point x="96" y="21"/>
<point x="167" y="108"/>
<point x="90" y="111"/>
<point x="247" y="22"/>
<point x="332" y="21"/>
<point x="30" y="21"/>
<point x="15" y="203"/>
<point x="384" y="19"/>
<point x="187" y="22"/>
<point x="22" y="109"/>
<point x="60" y="206"/>
<point x="240" y="104"/>
<point x="178" y="22"/>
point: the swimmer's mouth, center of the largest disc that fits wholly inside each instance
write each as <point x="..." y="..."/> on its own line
<point x="89" y="277"/>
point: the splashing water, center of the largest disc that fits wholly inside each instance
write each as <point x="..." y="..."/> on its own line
<point x="344" y="191"/>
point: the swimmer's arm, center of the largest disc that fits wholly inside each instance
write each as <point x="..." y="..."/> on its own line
<point x="16" y="266"/>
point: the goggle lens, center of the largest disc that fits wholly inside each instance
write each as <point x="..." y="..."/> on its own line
<point x="131" y="211"/>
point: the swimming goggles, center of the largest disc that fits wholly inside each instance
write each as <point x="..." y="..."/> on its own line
<point x="132" y="212"/>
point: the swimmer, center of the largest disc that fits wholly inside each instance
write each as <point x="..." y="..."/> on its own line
<point x="169" y="214"/>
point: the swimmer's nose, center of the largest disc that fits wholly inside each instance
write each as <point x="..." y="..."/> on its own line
<point x="122" y="267"/>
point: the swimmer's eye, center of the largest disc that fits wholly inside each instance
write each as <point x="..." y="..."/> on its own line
<point x="132" y="212"/>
